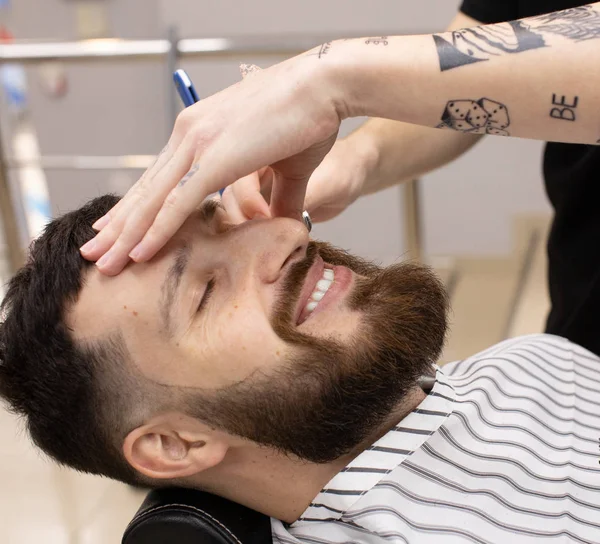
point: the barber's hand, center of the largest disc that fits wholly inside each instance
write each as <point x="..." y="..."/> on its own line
<point x="285" y="116"/>
<point x="335" y="184"/>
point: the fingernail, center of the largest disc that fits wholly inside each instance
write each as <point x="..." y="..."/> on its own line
<point x="103" y="261"/>
<point x="260" y="215"/>
<point x="89" y="246"/>
<point x="136" y="252"/>
<point x="101" y="223"/>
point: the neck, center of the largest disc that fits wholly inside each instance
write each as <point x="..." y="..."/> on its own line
<point x="281" y="486"/>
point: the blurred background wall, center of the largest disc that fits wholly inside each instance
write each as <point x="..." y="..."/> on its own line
<point x="114" y="108"/>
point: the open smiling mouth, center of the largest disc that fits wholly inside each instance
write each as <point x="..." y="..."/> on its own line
<point x="321" y="288"/>
<point x="324" y="285"/>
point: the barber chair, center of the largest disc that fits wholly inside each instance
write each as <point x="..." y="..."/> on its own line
<point x="186" y="516"/>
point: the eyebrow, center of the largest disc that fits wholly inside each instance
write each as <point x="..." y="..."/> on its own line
<point x="176" y="271"/>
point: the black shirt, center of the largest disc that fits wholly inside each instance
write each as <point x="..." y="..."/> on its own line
<point x="573" y="187"/>
<point x="497" y="11"/>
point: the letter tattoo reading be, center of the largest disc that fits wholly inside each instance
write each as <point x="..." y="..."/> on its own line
<point x="567" y="112"/>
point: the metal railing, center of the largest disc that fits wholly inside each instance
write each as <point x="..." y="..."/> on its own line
<point x="170" y="50"/>
<point x="127" y="49"/>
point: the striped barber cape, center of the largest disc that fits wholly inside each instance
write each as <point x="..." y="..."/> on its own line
<point x="505" y="449"/>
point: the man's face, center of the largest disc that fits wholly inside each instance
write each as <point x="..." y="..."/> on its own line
<point x="246" y="321"/>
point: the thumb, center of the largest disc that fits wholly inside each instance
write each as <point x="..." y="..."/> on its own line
<point x="291" y="178"/>
<point x="287" y="196"/>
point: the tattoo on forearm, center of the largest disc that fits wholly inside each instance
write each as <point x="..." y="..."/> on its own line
<point x="483" y="116"/>
<point x="477" y="44"/>
<point x="320" y="51"/>
<point x="578" y="24"/>
<point x="564" y="109"/>
<point x="186" y="178"/>
<point x="324" y="49"/>
<point x="380" y="40"/>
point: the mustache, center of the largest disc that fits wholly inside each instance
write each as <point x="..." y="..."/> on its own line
<point x="283" y="311"/>
<point x="291" y="289"/>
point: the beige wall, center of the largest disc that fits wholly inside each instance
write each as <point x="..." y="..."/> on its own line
<point x="121" y="108"/>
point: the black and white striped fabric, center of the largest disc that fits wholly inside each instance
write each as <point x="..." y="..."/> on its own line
<point x="505" y="449"/>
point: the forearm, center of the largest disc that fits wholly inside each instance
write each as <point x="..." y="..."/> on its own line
<point x="394" y="152"/>
<point x="534" y="79"/>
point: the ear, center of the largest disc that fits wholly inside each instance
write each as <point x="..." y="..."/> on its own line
<point x="173" y="446"/>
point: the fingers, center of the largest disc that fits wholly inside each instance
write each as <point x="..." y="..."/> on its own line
<point x="234" y="214"/>
<point x="176" y="207"/>
<point x="216" y="142"/>
<point x="143" y="237"/>
<point x="243" y="201"/>
<point x="266" y="176"/>
<point x="249" y="198"/>
<point x="112" y="245"/>
<point x="161" y="159"/>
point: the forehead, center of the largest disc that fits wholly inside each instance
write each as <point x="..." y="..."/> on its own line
<point x="129" y="302"/>
<point x="126" y="302"/>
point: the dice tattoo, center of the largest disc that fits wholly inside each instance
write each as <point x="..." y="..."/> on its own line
<point x="483" y="116"/>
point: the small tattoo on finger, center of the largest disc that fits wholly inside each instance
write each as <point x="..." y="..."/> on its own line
<point x="186" y="178"/>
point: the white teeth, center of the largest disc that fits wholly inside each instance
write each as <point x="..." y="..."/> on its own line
<point x="321" y="288"/>
<point x="311" y="305"/>
<point x="317" y="295"/>
<point x="323" y="285"/>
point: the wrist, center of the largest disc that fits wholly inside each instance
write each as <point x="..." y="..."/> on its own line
<point x="354" y="68"/>
<point x="380" y="77"/>
<point x="327" y="76"/>
<point x="348" y="73"/>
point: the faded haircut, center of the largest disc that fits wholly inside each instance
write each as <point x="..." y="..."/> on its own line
<point x="79" y="401"/>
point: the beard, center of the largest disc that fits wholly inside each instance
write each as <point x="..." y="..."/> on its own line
<point x="329" y="397"/>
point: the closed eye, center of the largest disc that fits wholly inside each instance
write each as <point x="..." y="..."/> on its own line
<point x="207" y="293"/>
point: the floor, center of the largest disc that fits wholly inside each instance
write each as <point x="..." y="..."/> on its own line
<point x="42" y="503"/>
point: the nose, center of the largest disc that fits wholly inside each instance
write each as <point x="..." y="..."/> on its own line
<point x="263" y="248"/>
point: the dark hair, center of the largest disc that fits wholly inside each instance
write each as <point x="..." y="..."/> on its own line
<point x="70" y="394"/>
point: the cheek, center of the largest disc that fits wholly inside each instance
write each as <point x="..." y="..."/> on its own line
<point x="250" y="339"/>
<point x="231" y="349"/>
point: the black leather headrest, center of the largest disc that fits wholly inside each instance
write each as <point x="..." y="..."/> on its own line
<point x="187" y="516"/>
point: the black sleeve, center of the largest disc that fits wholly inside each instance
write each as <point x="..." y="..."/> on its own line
<point x="491" y="11"/>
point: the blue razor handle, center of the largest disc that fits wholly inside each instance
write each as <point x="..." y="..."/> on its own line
<point x="185" y="88"/>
